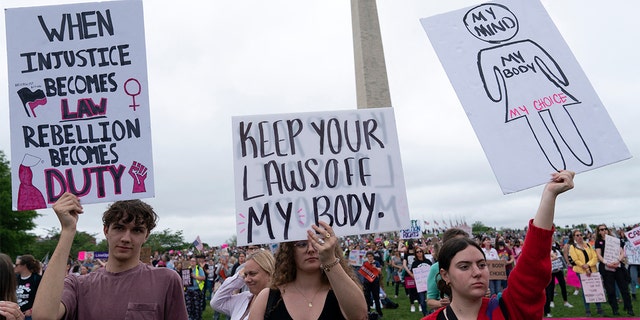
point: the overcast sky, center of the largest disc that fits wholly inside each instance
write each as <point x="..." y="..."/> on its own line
<point x="257" y="57"/>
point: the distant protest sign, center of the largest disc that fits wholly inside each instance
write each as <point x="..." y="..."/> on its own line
<point x="294" y="170"/>
<point x="414" y="232"/>
<point x="611" y="253"/>
<point x="79" y="105"/>
<point x="634" y="236"/>
<point x="497" y="269"/>
<point x="528" y="100"/>
<point x="357" y="257"/>
<point x="421" y="274"/>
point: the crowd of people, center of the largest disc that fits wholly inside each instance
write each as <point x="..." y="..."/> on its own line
<point x="318" y="278"/>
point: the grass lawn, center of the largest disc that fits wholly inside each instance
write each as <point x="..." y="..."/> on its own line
<point x="403" y="312"/>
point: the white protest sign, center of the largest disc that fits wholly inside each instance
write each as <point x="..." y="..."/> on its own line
<point x="612" y="249"/>
<point x="79" y="105"/>
<point x="293" y="170"/>
<point x="421" y="274"/>
<point x="414" y="232"/>
<point x="592" y="288"/>
<point x="527" y="98"/>
<point x="356" y="257"/>
<point x="634" y="236"/>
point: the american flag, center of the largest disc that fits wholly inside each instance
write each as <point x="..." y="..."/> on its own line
<point x="198" y="244"/>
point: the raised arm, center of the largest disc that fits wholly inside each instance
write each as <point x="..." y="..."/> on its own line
<point x="47" y="304"/>
<point x="560" y="182"/>
<point x="348" y="293"/>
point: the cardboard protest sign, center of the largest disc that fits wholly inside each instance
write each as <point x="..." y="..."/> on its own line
<point x="414" y="232"/>
<point x="293" y="170"/>
<point x="634" y="236"/>
<point x="592" y="288"/>
<point x="79" y="105"/>
<point x="527" y="98"/>
<point x="497" y="269"/>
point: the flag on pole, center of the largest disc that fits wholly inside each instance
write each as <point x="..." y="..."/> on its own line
<point x="198" y="244"/>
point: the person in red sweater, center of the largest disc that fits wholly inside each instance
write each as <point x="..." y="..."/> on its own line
<point x="464" y="274"/>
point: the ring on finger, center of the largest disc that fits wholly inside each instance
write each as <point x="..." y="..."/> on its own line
<point x="327" y="235"/>
<point x="320" y="241"/>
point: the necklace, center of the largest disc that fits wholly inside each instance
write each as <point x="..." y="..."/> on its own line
<point x="310" y="302"/>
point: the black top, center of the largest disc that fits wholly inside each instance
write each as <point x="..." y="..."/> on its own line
<point x="276" y="309"/>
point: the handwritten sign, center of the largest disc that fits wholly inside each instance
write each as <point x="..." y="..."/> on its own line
<point x="293" y="170"/>
<point x="186" y="277"/>
<point x="79" y="105"/>
<point x="497" y="270"/>
<point x="528" y="100"/>
<point x="592" y="288"/>
<point x="356" y="257"/>
<point x="612" y="249"/>
<point x="634" y="236"/>
<point x="414" y="232"/>
<point x="421" y="275"/>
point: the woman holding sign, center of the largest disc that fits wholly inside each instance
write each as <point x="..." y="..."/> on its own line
<point x="312" y="280"/>
<point x="465" y="274"/>
<point x="584" y="262"/>
<point x="613" y="272"/>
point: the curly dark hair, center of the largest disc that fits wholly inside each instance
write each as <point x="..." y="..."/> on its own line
<point x="286" y="270"/>
<point x="130" y="210"/>
<point x="30" y="262"/>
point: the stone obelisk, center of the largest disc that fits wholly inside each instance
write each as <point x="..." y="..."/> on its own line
<point x="372" y="86"/>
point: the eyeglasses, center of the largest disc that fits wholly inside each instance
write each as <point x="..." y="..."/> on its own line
<point x="578" y="235"/>
<point x="419" y="251"/>
<point x="301" y="244"/>
<point x="604" y="229"/>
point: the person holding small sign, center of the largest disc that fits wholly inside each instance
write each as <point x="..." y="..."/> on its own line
<point x="465" y="272"/>
<point x="312" y="280"/>
<point x="125" y="287"/>
<point x="371" y="271"/>
<point x="584" y="263"/>
<point x="613" y="271"/>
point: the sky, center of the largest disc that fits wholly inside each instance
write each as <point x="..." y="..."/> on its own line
<point x="262" y="57"/>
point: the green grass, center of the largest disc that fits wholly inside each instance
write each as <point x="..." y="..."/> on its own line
<point x="403" y="312"/>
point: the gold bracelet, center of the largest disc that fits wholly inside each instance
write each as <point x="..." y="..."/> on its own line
<point x="328" y="267"/>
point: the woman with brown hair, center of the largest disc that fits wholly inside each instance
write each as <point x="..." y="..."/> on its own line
<point x="9" y="309"/>
<point x="584" y="263"/>
<point x="312" y="280"/>
<point x="28" y="280"/>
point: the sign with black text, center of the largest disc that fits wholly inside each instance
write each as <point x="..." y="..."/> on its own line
<point x="294" y="170"/>
<point x="79" y="105"/>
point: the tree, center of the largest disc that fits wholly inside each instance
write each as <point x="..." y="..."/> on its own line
<point x="165" y="240"/>
<point x="82" y="241"/>
<point x="14" y="225"/>
<point x="479" y="227"/>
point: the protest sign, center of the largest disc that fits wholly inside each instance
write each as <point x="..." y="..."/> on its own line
<point x="79" y="105"/>
<point x="414" y="232"/>
<point x="634" y="236"/>
<point x="356" y="257"/>
<point x="294" y="170"/>
<point x="527" y="98"/>
<point x="592" y="288"/>
<point x="420" y="274"/>
<point x="612" y="249"/>
<point x="368" y="271"/>
<point x="497" y="270"/>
